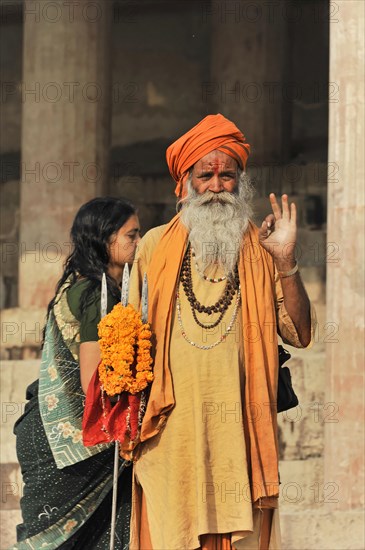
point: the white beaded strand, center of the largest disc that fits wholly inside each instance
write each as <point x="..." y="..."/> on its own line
<point x="223" y="337"/>
<point x="204" y="277"/>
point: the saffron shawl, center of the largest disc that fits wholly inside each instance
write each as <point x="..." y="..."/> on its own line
<point x="259" y="326"/>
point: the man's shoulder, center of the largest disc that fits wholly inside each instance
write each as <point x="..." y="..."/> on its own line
<point x="154" y="234"/>
<point x="150" y="240"/>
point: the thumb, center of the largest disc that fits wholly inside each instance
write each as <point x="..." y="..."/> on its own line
<point x="264" y="230"/>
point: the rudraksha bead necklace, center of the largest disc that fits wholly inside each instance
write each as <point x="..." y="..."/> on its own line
<point x="222" y="337"/>
<point x="220" y="306"/>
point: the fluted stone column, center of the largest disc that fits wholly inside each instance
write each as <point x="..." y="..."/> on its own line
<point x="249" y="63"/>
<point x="65" y="132"/>
<point x="344" y="423"/>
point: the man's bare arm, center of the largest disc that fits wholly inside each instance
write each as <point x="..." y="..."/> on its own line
<point x="296" y="301"/>
<point x="278" y="236"/>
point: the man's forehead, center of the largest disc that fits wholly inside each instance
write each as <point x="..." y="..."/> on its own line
<point x="216" y="162"/>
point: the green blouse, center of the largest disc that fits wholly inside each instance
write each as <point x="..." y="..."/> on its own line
<point x="91" y="316"/>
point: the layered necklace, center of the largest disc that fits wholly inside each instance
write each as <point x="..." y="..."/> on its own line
<point x="202" y="275"/>
<point x="221" y="306"/>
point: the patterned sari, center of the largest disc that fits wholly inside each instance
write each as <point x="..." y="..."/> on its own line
<point x="66" y="501"/>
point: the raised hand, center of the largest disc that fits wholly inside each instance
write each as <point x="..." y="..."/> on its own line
<point x="278" y="233"/>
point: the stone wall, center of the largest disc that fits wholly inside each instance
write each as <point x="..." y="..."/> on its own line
<point x="172" y="63"/>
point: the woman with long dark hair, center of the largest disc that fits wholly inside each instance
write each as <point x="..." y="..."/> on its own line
<point x="66" y="501"/>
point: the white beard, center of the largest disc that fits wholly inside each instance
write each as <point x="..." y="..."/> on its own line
<point x="216" y="223"/>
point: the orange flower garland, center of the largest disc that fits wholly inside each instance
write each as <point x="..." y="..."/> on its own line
<point x="125" y="344"/>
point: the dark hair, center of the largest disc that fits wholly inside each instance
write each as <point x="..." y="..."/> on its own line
<point x="91" y="230"/>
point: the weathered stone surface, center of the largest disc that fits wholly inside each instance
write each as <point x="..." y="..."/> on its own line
<point x="315" y="283"/>
<point x="302" y="485"/>
<point x="345" y="440"/>
<point x="147" y="191"/>
<point x="65" y="162"/>
<point x="302" y="428"/>
<point x="11" y="485"/>
<point x="157" y="89"/>
<point x="15" y="376"/>
<point x="9" y="246"/>
<point x="9" y="519"/>
<point x="323" y="530"/>
<point x="21" y="327"/>
<point x="11" y="45"/>
<point x="234" y="83"/>
<point x="9" y="228"/>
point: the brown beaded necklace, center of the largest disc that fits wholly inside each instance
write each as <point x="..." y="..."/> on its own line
<point x="220" y="306"/>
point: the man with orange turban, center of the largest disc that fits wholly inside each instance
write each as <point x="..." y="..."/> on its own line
<point x="220" y="290"/>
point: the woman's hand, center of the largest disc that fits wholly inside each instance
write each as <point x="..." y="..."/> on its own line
<point x="278" y="233"/>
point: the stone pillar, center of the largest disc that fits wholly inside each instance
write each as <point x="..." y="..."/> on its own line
<point x="344" y="418"/>
<point x="65" y="132"/>
<point x="249" y="64"/>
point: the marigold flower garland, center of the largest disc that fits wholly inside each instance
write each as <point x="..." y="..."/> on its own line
<point x="125" y="345"/>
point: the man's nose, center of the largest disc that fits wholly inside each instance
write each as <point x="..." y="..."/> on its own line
<point x="215" y="184"/>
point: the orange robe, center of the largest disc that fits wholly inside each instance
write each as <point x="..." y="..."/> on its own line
<point x="192" y="479"/>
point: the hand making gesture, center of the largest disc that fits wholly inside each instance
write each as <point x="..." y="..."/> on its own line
<point x="278" y="233"/>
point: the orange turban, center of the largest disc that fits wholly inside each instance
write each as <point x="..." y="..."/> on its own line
<point x="213" y="132"/>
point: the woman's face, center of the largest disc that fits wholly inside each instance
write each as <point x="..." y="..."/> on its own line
<point x="124" y="242"/>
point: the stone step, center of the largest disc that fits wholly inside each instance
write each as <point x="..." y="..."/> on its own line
<point x="325" y="529"/>
<point x="15" y="376"/>
<point x="9" y="520"/>
<point x="11" y="486"/>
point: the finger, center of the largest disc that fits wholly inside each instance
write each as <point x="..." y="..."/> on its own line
<point x="270" y="220"/>
<point x="275" y="207"/>
<point x="293" y="213"/>
<point x="285" y="206"/>
<point x="263" y="230"/>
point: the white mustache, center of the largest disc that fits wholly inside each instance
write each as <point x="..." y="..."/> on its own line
<point x="224" y="197"/>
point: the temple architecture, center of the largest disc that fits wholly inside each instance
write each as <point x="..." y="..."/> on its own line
<point x="92" y="93"/>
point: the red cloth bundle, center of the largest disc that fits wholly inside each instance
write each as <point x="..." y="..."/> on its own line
<point x="104" y="422"/>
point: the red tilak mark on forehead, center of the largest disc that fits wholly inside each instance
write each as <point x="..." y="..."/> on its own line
<point x="215" y="166"/>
